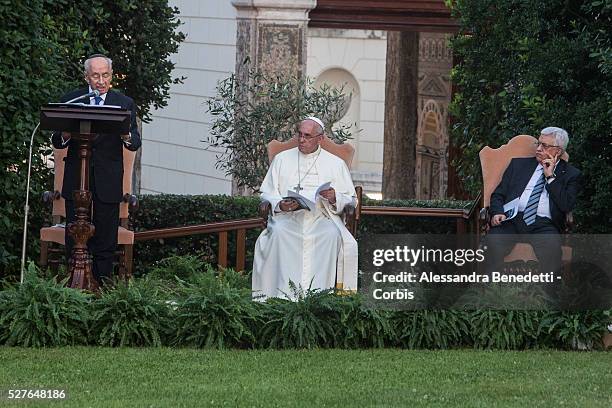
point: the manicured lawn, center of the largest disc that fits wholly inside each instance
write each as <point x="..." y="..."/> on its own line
<point x="104" y="377"/>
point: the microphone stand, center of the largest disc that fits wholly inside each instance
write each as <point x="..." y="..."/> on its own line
<point x="27" y="207"/>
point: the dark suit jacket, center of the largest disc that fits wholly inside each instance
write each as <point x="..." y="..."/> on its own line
<point x="106" y="153"/>
<point x="562" y="191"/>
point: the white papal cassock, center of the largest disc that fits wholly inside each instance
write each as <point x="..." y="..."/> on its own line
<point x="309" y="248"/>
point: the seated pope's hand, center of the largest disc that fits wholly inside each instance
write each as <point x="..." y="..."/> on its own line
<point x="288" y="204"/>
<point x="329" y="195"/>
<point x="497" y="219"/>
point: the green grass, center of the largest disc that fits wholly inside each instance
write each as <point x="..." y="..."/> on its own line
<point x="130" y="377"/>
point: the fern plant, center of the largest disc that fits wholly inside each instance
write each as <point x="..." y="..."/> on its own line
<point x="432" y="329"/>
<point x="43" y="313"/>
<point x="213" y="314"/>
<point x="575" y="329"/>
<point x="130" y="314"/>
<point x="361" y="326"/>
<point x="309" y="321"/>
<point x="505" y="329"/>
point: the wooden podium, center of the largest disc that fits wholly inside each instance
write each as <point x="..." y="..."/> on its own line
<point x="85" y="123"/>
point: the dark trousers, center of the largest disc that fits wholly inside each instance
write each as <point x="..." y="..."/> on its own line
<point x="103" y="244"/>
<point x="543" y="236"/>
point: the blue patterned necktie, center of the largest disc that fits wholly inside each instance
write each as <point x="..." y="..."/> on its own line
<point x="98" y="99"/>
<point x="529" y="215"/>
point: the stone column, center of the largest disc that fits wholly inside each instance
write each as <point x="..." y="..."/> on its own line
<point x="271" y="36"/>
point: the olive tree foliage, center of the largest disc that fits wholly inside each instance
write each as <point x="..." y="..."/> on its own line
<point x="524" y="65"/>
<point x="247" y="115"/>
<point x="43" y="44"/>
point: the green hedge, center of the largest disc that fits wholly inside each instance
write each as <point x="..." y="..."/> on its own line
<point x="168" y="210"/>
<point x="207" y="310"/>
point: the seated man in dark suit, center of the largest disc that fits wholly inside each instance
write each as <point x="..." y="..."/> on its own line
<point x="106" y="166"/>
<point x="545" y="187"/>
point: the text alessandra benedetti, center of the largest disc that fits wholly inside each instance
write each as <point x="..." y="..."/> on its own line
<point x="430" y="277"/>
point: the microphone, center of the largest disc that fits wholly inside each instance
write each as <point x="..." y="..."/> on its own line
<point x="93" y="93"/>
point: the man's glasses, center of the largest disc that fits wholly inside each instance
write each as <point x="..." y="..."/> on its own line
<point x="544" y="145"/>
<point x="303" y="136"/>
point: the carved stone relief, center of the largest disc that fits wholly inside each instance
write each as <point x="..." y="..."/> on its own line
<point x="435" y="63"/>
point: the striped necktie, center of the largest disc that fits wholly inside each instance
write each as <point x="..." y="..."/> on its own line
<point x="98" y="99"/>
<point x="529" y="215"/>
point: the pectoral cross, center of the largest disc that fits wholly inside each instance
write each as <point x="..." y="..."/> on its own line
<point x="298" y="188"/>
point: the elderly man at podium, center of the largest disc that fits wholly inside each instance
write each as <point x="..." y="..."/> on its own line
<point x="305" y="242"/>
<point x="106" y="166"/>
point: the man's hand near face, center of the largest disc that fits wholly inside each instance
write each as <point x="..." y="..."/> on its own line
<point x="549" y="164"/>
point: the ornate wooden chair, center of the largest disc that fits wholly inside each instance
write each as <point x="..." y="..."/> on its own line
<point x="344" y="151"/>
<point x="52" y="239"/>
<point x="493" y="163"/>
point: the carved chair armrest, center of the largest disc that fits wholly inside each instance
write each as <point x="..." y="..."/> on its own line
<point x="350" y="218"/>
<point x="349" y="211"/>
<point x="265" y="209"/>
<point x="132" y="201"/>
<point x="49" y="196"/>
<point x="485" y="219"/>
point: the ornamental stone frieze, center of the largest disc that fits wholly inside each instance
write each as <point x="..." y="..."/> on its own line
<point x="271" y="36"/>
<point x="435" y="63"/>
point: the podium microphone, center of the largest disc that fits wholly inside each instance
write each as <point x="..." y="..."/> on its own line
<point x="94" y="93"/>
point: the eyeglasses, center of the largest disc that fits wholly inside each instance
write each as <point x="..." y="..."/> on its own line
<point x="96" y="77"/>
<point x="544" y="145"/>
<point x="303" y="136"/>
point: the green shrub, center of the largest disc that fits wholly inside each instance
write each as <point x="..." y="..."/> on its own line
<point x="361" y="326"/>
<point x="431" y="329"/>
<point x="182" y="267"/>
<point x="42" y="313"/>
<point x="310" y="321"/>
<point x="572" y="330"/>
<point x="212" y="314"/>
<point x="130" y="314"/>
<point x="504" y="329"/>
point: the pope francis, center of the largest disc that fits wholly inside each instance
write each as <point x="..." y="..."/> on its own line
<point x="306" y="245"/>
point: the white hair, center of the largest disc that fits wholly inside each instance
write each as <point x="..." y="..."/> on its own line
<point x="561" y="136"/>
<point x="87" y="63"/>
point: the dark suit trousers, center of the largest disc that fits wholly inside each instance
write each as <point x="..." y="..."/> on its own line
<point x="103" y="244"/>
<point x="543" y="236"/>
